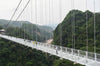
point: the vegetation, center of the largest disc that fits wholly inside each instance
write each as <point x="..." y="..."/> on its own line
<point x="27" y="29"/>
<point x="80" y="30"/>
<point x="13" y="54"/>
<point x="42" y="32"/>
<point x="0" y="27"/>
<point x="18" y="32"/>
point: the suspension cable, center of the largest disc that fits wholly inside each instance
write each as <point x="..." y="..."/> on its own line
<point x="22" y="10"/>
<point x="52" y="16"/>
<point x="45" y="17"/>
<point x="32" y="16"/>
<point x="41" y="13"/>
<point x="86" y="31"/>
<point x="36" y="18"/>
<point x="20" y="25"/>
<point x="94" y="31"/>
<point x="24" y="27"/>
<point x="72" y="27"/>
<point x="14" y="13"/>
<point x="60" y="17"/>
<point x="22" y="35"/>
<point x="86" y="28"/>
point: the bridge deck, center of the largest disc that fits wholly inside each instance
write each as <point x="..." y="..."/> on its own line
<point x="77" y="56"/>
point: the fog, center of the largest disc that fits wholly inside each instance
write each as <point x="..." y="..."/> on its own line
<point x="48" y="12"/>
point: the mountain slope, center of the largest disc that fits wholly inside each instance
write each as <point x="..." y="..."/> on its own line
<point x="80" y="30"/>
<point x="43" y="32"/>
<point x="13" y="54"/>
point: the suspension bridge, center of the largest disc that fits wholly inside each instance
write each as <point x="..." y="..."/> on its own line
<point x="77" y="56"/>
<point x="72" y="54"/>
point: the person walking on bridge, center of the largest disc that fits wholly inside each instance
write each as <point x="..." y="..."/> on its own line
<point x="56" y="50"/>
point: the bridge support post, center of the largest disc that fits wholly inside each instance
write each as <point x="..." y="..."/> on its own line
<point x="61" y="49"/>
<point x="66" y="50"/>
<point x="72" y="51"/>
<point x="78" y="54"/>
<point x="95" y="56"/>
<point x="86" y="56"/>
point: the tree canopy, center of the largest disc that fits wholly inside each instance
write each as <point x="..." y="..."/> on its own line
<point x="79" y="19"/>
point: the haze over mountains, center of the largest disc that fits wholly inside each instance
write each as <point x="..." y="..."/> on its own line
<point x="43" y="32"/>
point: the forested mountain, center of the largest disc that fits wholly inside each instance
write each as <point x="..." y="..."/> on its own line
<point x="79" y="18"/>
<point x="43" y="32"/>
<point x="4" y="22"/>
<point x="20" y="23"/>
<point x="14" y="54"/>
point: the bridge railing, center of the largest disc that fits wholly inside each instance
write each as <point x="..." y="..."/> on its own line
<point x="80" y="53"/>
<point x="91" y="55"/>
<point x="98" y="57"/>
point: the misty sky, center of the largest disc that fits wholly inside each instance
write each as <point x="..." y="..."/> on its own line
<point x="7" y="8"/>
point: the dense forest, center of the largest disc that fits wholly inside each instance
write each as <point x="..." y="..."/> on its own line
<point x="78" y="18"/>
<point x="13" y="54"/>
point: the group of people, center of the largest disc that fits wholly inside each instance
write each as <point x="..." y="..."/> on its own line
<point x="55" y="48"/>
